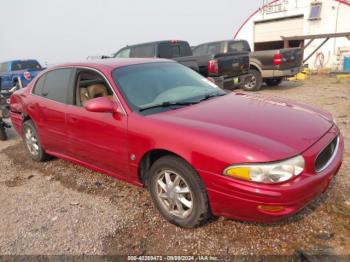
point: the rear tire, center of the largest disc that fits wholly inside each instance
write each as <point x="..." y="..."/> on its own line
<point x="255" y="82"/>
<point x="178" y="192"/>
<point x="3" y="134"/>
<point x="273" y="81"/>
<point x="32" y="142"/>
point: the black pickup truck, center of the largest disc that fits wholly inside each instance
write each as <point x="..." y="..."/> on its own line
<point x="269" y="66"/>
<point x="227" y="69"/>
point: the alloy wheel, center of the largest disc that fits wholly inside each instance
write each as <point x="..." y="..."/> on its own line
<point x="251" y="84"/>
<point x="174" y="193"/>
<point x="31" y="142"/>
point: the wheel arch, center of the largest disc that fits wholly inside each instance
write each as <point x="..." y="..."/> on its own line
<point x="150" y="157"/>
<point x="254" y="65"/>
<point x="26" y="118"/>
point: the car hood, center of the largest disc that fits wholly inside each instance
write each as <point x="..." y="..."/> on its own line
<point x="274" y="127"/>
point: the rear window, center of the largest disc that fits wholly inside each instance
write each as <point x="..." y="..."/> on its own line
<point x="142" y="51"/>
<point x="238" y="46"/>
<point x="23" y="65"/>
<point x="172" y="50"/>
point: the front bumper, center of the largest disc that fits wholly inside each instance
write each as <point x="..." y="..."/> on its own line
<point x="240" y="200"/>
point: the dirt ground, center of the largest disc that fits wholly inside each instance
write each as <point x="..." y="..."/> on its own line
<point x="60" y="208"/>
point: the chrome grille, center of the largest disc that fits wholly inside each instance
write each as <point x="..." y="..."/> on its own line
<point x="325" y="158"/>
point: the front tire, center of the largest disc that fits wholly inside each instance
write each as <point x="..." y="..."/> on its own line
<point x="178" y="192"/>
<point x="255" y="82"/>
<point x="32" y="142"/>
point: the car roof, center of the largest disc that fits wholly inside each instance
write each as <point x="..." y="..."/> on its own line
<point x="19" y="60"/>
<point x="112" y="63"/>
<point x="220" y="41"/>
<point x="150" y="43"/>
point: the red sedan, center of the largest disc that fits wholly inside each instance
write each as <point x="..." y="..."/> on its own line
<point x="199" y="150"/>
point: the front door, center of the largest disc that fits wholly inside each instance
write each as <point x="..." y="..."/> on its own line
<point x="98" y="139"/>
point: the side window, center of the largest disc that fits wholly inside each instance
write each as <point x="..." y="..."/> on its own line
<point x="142" y="51"/>
<point x="315" y="11"/>
<point x="39" y="85"/>
<point x="57" y="84"/>
<point x="214" y="48"/>
<point x="185" y="49"/>
<point x="200" y="50"/>
<point x="124" y="53"/>
<point x="3" y="67"/>
<point x="90" y="85"/>
<point x="238" y="46"/>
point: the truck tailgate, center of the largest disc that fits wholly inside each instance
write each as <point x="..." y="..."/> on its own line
<point x="233" y="64"/>
<point x="292" y="57"/>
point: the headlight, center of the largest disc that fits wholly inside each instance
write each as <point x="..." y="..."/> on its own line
<point x="268" y="173"/>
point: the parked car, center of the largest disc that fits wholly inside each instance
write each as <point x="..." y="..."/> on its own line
<point x="4" y="113"/>
<point x="17" y="72"/>
<point x="226" y="69"/>
<point x="200" y="150"/>
<point x="269" y="66"/>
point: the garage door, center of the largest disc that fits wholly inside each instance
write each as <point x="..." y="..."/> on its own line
<point x="266" y="31"/>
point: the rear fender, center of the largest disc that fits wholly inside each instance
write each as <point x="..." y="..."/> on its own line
<point x="254" y="63"/>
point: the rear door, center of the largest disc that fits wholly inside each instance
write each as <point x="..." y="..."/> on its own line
<point x="48" y="108"/>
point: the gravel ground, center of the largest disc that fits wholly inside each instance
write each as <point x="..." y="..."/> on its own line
<point x="60" y="208"/>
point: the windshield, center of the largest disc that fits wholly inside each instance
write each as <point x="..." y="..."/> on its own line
<point x="23" y="65"/>
<point x="147" y="85"/>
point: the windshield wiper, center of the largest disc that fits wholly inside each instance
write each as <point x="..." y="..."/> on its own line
<point x="168" y="104"/>
<point x="209" y="96"/>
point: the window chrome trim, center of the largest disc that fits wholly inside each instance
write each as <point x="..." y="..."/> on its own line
<point x="331" y="159"/>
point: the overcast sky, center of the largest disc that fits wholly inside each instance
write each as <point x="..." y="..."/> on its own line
<point x="67" y="30"/>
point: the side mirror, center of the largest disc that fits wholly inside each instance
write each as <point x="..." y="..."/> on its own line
<point x="101" y="105"/>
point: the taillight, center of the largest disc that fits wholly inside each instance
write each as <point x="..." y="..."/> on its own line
<point x="277" y="59"/>
<point x="213" y="67"/>
<point x="27" y="75"/>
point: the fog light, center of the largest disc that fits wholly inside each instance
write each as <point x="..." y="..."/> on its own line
<point x="271" y="208"/>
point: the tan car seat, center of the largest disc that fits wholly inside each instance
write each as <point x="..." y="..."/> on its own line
<point x="98" y="90"/>
<point x="84" y="96"/>
<point x="91" y="92"/>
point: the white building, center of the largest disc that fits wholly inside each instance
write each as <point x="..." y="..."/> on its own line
<point x="287" y="18"/>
